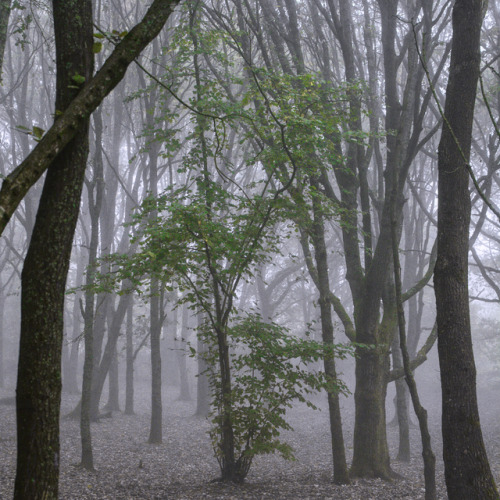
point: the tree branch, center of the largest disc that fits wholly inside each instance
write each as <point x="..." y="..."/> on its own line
<point x="19" y="181"/>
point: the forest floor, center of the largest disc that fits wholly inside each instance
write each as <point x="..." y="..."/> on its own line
<point x="183" y="466"/>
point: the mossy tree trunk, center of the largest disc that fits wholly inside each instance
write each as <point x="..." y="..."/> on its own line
<point x="45" y="271"/>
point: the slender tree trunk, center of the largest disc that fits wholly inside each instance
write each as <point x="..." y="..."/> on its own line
<point x="70" y="361"/>
<point x="401" y="406"/>
<point x="181" y="353"/>
<point x="156" y="315"/>
<point x="467" y="471"/>
<point x="45" y="271"/>
<point x="95" y="191"/>
<point x="340" y="470"/>
<point x="129" y="374"/>
<point x="203" y="388"/>
<point x="98" y="333"/>
<point x="113" y="403"/>
<point x="227" y="458"/>
<point x="71" y="382"/>
<point x="156" y="431"/>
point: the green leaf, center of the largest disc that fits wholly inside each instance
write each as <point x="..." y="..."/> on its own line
<point x="97" y="47"/>
<point x="78" y="79"/>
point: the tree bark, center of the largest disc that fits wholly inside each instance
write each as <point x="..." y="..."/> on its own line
<point x="467" y="471"/>
<point x="45" y="271"/>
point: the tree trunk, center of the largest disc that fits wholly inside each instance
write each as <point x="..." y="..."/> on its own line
<point x="45" y="271"/>
<point x="402" y="415"/>
<point x="340" y="471"/>
<point x="71" y="382"/>
<point x="203" y="386"/>
<point x="113" y="403"/>
<point x="370" y="439"/>
<point x="129" y="374"/>
<point x="467" y="471"/>
<point x="227" y="459"/>
<point x="155" y="433"/>
<point x="181" y="353"/>
<point x="4" y="23"/>
<point x="95" y="191"/>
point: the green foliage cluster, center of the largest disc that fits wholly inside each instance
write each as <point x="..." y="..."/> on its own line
<point x="270" y="372"/>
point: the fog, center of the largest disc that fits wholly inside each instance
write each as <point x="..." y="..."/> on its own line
<point x="232" y="266"/>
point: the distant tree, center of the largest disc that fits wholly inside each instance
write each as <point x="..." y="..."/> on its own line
<point x="467" y="471"/>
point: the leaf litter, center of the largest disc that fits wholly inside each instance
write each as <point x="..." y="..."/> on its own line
<point x="184" y="467"/>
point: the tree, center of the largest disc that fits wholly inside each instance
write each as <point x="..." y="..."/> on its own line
<point x="64" y="153"/>
<point x="95" y="190"/>
<point x="467" y="471"/>
<point x="255" y="368"/>
<point x="45" y="270"/>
